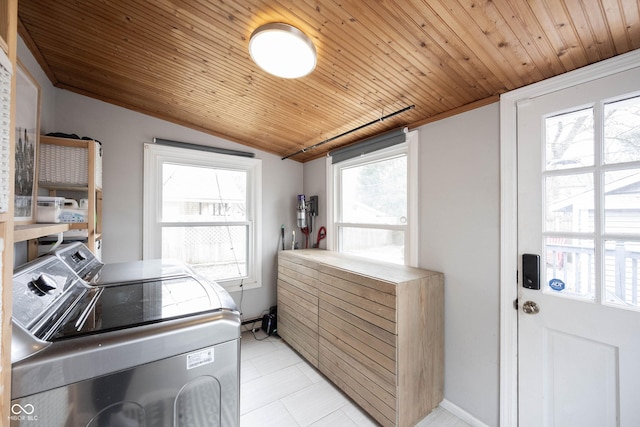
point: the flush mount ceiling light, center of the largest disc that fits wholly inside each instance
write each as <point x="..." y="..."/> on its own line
<point x="282" y="50"/>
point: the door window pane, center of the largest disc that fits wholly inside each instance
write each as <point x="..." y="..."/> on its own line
<point x="569" y="140"/>
<point x="375" y="193"/>
<point x="384" y="245"/>
<point x="621" y="273"/>
<point x="622" y="131"/>
<point x="216" y="252"/>
<point x="570" y="267"/>
<point x="622" y="202"/>
<point x="203" y="194"/>
<point x="569" y="203"/>
<point x="582" y="212"/>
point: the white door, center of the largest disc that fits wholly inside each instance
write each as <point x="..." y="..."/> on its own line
<point x="579" y="211"/>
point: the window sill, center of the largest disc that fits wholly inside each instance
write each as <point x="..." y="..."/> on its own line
<point x="245" y="286"/>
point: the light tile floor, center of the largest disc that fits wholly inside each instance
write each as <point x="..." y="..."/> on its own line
<point x="278" y="388"/>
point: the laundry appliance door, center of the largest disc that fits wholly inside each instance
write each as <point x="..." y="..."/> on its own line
<point x="199" y="388"/>
<point x="137" y="304"/>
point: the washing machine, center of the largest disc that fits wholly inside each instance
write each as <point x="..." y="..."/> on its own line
<point x="156" y="346"/>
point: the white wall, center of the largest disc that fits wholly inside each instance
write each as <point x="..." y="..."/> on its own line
<point x="459" y="206"/>
<point x="315" y="185"/>
<point x="459" y="235"/>
<point x="123" y="133"/>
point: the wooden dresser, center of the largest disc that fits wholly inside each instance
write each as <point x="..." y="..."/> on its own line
<point x="375" y="329"/>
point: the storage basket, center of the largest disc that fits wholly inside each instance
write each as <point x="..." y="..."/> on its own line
<point x="60" y="164"/>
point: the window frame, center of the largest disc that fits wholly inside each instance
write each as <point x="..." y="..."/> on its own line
<point x="155" y="155"/>
<point x="410" y="229"/>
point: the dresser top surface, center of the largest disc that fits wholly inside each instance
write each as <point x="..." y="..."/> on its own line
<point x="386" y="271"/>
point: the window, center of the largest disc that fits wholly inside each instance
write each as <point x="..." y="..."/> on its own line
<point x="204" y="208"/>
<point x="375" y="211"/>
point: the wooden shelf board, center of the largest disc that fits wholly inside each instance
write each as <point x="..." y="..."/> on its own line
<point x="63" y="186"/>
<point x="78" y="225"/>
<point x="33" y="231"/>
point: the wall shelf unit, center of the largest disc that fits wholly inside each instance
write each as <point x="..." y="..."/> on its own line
<point x="72" y="168"/>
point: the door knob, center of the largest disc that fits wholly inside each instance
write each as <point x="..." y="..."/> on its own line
<point x="531" y="307"/>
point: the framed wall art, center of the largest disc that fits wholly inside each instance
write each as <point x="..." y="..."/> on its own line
<point x="26" y="142"/>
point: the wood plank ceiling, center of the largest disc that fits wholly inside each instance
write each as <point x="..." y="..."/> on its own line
<point x="186" y="61"/>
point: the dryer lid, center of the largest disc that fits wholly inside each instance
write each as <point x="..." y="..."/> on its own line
<point x="130" y="305"/>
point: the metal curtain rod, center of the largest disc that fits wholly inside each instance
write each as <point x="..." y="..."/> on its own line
<point x="304" y="150"/>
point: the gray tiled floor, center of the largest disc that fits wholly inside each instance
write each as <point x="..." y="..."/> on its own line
<point x="279" y="389"/>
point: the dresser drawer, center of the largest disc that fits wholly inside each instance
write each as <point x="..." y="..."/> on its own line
<point x="369" y="388"/>
<point x="368" y="303"/>
<point x="302" y="338"/>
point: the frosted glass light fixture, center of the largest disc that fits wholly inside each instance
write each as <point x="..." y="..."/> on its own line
<point x="282" y="50"/>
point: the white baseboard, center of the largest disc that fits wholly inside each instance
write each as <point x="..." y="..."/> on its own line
<point x="462" y="414"/>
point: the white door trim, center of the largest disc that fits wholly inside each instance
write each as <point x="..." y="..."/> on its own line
<point x="509" y="215"/>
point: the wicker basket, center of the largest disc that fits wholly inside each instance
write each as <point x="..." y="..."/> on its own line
<point x="64" y="165"/>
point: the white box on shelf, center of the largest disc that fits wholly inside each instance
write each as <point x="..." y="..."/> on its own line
<point x="48" y="209"/>
<point x="72" y="213"/>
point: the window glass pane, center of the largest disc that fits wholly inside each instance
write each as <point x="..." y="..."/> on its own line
<point x="569" y="140"/>
<point x="215" y="252"/>
<point x="384" y="245"/>
<point x="569" y="203"/>
<point x="375" y="193"/>
<point x="570" y="267"/>
<point x="622" y="131"/>
<point x="621" y="273"/>
<point x="622" y="201"/>
<point x="203" y="194"/>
